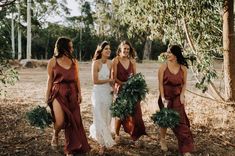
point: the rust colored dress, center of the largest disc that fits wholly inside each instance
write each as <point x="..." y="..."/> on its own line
<point x="172" y="84"/>
<point x="65" y="91"/>
<point x="133" y="125"/>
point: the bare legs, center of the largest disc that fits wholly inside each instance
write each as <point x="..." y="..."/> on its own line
<point x="102" y="149"/>
<point x="59" y="121"/>
<point x="117" y="129"/>
<point x="162" y="139"/>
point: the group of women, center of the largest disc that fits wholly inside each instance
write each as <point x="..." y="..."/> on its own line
<point x="64" y="97"/>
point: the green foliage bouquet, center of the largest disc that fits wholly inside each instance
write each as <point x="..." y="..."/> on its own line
<point x="166" y="118"/>
<point x="39" y="117"/>
<point x="134" y="90"/>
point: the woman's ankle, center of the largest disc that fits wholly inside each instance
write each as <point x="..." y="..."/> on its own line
<point x="117" y="138"/>
<point x="102" y="150"/>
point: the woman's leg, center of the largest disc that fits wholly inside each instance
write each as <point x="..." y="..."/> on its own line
<point x="117" y="129"/>
<point x="162" y="139"/>
<point x="59" y="121"/>
<point x="102" y="150"/>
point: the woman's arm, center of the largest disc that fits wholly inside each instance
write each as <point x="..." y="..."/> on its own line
<point x="160" y="81"/>
<point x="95" y="71"/>
<point x="50" y="66"/>
<point x="134" y="66"/>
<point x="78" y="82"/>
<point x="114" y="71"/>
<point x="182" y="94"/>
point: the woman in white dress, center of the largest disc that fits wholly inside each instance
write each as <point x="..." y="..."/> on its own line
<point x="101" y="98"/>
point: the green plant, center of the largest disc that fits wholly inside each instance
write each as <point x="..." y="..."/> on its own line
<point x="39" y="117"/>
<point x="134" y="90"/>
<point x="166" y="118"/>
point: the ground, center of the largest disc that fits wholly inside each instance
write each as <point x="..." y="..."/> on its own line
<point x="212" y="123"/>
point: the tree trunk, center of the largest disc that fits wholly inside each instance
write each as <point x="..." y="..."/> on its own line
<point x="19" y="34"/>
<point x="229" y="50"/>
<point x="147" y="49"/>
<point x="12" y="36"/>
<point x="28" y="55"/>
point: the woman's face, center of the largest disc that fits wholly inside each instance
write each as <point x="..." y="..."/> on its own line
<point x="106" y="51"/>
<point x="170" y="56"/>
<point x="125" y="49"/>
<point x="71" y="47"/>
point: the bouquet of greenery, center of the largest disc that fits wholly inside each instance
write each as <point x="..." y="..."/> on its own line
<point x="166" y="118"/>
<point x="134" y="90"/>
<point x="39" y="117"/>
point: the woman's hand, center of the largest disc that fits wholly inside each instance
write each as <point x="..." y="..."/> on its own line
<point x="165" y="102"/>
<point x="182" y="99"/>
<point x="79" y="98"/>
<point x="111" y="81"/>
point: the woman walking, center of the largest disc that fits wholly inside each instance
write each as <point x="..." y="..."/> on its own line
<point x="124" y="66"/>
<point x="172" y="78"/>
<point x="100" y="130"/>
<point x="64" y="98"/>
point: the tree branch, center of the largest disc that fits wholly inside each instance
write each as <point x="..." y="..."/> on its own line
<point x="6" y="2"/>
<point x="211" y="85"/>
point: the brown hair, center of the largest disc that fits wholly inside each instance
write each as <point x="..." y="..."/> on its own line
<point x="132" y="52"/>
<point x="177" y="51"/>
<point x="62" y="48"/>
<point x="99" y="50"/>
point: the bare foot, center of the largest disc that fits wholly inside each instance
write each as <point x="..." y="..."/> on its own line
<point x="54" y="140"/>
<point x="117" y="139"/>
<point x="163" y="145"/>
<point x="101" y="151"/>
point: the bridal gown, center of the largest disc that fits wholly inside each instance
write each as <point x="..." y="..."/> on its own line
<point x="101" y="99"/>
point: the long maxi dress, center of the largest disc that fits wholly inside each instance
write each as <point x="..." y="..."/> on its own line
<point x="133" y="125"/>
<point x="100" y="130"/>
<point x="172" y="84"/>
<point x="65" y="91"/>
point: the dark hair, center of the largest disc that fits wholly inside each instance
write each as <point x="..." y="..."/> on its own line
<point x="132" y="50"/>
<point x="177" y="51"/>
<point x="62" y="48"/>
<point x="99" y="50"/>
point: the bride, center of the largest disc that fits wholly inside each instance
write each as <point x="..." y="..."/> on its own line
<point x="102" y="97"/>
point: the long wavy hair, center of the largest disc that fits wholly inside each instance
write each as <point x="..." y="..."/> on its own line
<point x="177" y="51"/>
<point x="132" y="53"/>
<point x="99" y="49"/>
<point x="62" y="48"/>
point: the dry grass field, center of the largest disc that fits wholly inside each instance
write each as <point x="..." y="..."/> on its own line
<point x="212" y="123"/>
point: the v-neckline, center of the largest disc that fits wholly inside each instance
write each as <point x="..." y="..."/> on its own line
<point x="63" y="67"/>
<point x="174" y="73"/>
<point x="123" y="65"/>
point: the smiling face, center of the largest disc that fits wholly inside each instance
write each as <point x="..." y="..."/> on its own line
<point x="70" y="47"/>
<point x="106" y="51"/>
<point x="170" y="56"/>
<point x="125" y="49"/>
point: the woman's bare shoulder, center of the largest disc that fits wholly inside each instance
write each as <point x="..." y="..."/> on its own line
<point x="184" y="68"/>
<point x="115" y="60"/>
<point x="163" y="67"/>
<point x="133" y="61"/>
<point x="52" y="62"/>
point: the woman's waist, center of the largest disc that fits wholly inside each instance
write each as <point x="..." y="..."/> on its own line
<point x="65" y="82"/>
<point x="65" y="85"/>
<point x="105" y="85"/>
<point x="172" y="91"/>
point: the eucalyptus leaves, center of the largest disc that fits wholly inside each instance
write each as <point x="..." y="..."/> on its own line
<point x="166" y="118"/>
<point x="134" y="90"/>
<point x="39" y="117"/>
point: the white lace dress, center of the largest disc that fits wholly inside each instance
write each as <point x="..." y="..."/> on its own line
<point x="101" y="99"/>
